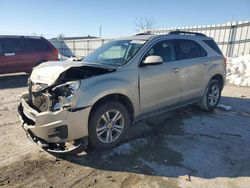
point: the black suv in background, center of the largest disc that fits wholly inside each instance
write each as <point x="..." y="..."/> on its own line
<point x="22" y="53"/>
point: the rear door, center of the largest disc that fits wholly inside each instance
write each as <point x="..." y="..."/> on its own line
<point x="27" y="54"/>
<point x="192" y="59"/>
<point x="160" y="84"/>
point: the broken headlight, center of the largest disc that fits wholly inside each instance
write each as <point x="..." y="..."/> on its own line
<point x="64" y="93"/>
<point x="67" y="89"/>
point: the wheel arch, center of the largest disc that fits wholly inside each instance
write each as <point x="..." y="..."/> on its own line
<point x="218" y="77"/>
<point x="123" y="99"/>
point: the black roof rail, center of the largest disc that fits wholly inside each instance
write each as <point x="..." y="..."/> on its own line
<point x="186" y="33"/>
<point x="144" y="33"/>
<point x="19" y="36"/>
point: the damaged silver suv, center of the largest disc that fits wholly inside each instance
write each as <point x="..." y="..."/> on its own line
<point x="95" y="101"/>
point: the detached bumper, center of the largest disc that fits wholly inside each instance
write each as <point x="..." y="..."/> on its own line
<point x="47" y="128"/>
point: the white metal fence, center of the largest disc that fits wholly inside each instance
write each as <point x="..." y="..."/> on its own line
<point x="233" y="39"/>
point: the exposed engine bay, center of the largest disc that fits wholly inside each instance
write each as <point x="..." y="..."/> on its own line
<point x="44" y="97"/>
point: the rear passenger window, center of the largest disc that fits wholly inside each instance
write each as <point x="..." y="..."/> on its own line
<point x="188" y="49"/>
<point x="26" y="45"/>
<point x="40" y="45"/>
<point x="165" y="49"/>
<point x="213" y="45"/>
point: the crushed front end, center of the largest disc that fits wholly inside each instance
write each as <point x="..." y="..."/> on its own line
<point x="49" y="111"/>
<point x="49" y="118"/>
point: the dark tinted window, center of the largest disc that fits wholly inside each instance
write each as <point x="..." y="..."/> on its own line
<point x="40" y="45"/>
<point x="165" y="49"/>
<point x="1" y="49"/>
<point x="26" y="45"/>
<point x="11" y="45"/>
<point x="188" y="49"/>
<point x="213" y="45"/>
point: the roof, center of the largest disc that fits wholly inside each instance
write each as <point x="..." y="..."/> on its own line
<point x="77" y="38"/>
<point x="138" y="37"/>
<point x="177" y="33"/>
<point x="19" y="36"/>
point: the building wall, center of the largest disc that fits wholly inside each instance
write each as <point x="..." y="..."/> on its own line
<point x="233" y="39"/>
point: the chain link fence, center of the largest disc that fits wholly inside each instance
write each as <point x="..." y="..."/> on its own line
<point x="233" y="38"/>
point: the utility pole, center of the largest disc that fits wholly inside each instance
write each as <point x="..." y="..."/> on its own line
<point x="100" y="31"/>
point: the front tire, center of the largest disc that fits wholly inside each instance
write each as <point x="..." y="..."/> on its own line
<point x="212" y="95"/>
<point x="108" y="125"/>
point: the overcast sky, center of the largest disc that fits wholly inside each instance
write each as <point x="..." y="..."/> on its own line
<point x="117" y="17"/>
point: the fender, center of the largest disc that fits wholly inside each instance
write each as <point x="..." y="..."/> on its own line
<point x="213" y="70"/>
<point x="95" y="88"/>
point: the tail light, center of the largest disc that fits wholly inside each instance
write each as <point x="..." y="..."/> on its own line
<point x="55" y="51"/>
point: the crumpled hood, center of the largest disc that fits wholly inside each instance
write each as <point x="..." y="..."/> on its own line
<point x="48" y="72"/>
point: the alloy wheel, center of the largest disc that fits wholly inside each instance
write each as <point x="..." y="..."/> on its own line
<point x="110" y="126"/>
<point x="213" y="95"/>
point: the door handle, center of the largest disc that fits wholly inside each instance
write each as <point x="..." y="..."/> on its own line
<point x="175" y="70"/>
<point x="9" y="54"/>
<point x="206" y="63"/>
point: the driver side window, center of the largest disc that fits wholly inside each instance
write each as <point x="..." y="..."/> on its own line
<point x="165" y="49"/>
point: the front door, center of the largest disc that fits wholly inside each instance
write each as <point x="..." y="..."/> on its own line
<point x="160" y="85"/>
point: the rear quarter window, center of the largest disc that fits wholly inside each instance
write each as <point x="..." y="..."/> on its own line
<point x="213" y="45"/>
<point x="40" y="45"/>
<point x="188" y="49"/>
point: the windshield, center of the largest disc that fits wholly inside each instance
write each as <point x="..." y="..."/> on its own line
<point x="115" y="52"/>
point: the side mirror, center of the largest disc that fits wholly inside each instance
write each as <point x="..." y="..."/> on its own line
<point x="153" y="60"/>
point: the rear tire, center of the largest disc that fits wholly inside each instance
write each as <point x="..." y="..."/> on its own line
<point x="108" y="125"/>
<point x="211" y="96"/>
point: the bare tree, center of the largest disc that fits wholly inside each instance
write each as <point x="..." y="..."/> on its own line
<point x="60" y="37"/>
<point x="144" y="24"/>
